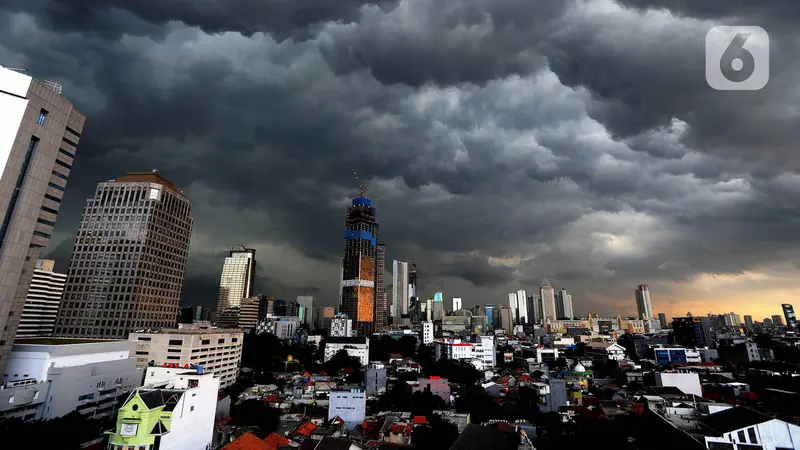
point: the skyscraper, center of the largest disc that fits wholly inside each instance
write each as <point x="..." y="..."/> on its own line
<point x="777" y="320"/>
<point x="129" y="260"/>
<point x="39" y="133"/>
<point x="400" y="290"/>
<point x="534" y="308"/>
<point x="788" y="313"/>
<point x="305" y="309"/>
<point x="359" y="264"/>
<point x="692" y="331"/>
<point x="662" y="320"/>
<point x="644" y="308"/>
<point x="748" y="323"/>
<point x="456" y="303"/>
<point x="548" y="296"/>
<point x="380" y="289"/>
<point x="564" y="305"/>
<point x="237" y="279"/>
<point x="518" y="302"/>
<point x="489" y="314"/>
<point x="41" y="304"/>
<point x="413" y="300"/>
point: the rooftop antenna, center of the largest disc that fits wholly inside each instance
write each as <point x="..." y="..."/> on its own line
<point x="362" y="187"/>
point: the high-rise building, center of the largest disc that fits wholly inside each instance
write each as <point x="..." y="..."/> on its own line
<point x="506" y="319"/>
<point x="413" y="300"/>
<point x="129" y="260"/>
<point x="305" y="309"/>
<point x="692" y="331"/>
<point x="359" y="264"/>
<point x="644" y="308"/>
<point x="489" y="314"/>
<point x="400" y="290"/>
<point x="534" y="308"/>
<point x="518" y="302"/>
<point x="380" y="289"/>
<point x="777" y="320"/>
<point x="662" y="320"/>
<point x="748" y="323"/>
<point x="237" y="279"/>
<point x="788" y="313"/>
<point x="456" y="303"/>
<point x="548" y="296"/>
<point x="768" y="323"/>
<point x="39" y="133"/>
<point x="341" y="326"/>
<point x="41" y="303"/>
<point x="564" y="305"/>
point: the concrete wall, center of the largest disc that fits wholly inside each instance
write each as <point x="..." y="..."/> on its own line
<point x="192" y="424"/>
<point x="689" y="383"/>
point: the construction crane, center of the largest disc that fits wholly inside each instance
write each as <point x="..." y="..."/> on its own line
<point x="362" y="187"/>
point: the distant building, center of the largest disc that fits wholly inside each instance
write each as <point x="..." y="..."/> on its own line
<point x="178" y="417"/>
<point x="644" y="306"/>
<point x="788" y="312"/>
<point x="427" y="332"/>
<point x="42" y="302"/>
<point x="489" y="309"/>
<point x="218" y="351"/>
<point x="777" y="320"/>
<point x="39" y="135"/>
<point x="305" y="309"/>
<point x="436" y="385"/>
<point x="456" y="303"/>
<point x="564" y="305"/>
<point x="662" y="320"/>
<point x="237" y="279"/>
<point x="375" y="378"/>
<point x="358" y="285"/>
<point x="48" y="378"/>
<point x="282" y="327"/>
<point x="341" y="326"/>
<point x="548" y="299"/>
<point x="357" y="347"/>
<point x="748" y="323"/>
<point x="688" y="382"/>
<point x="381" y="296"/>
<point x="692" y="332"/>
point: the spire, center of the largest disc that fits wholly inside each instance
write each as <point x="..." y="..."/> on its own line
<point x="546" y="283"/>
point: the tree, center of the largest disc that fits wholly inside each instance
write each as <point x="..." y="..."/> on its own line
<point x="71" y="430"/>
<point x="256" y="413"/>
<point x="437" y="434"/>
<point x="381" y="348"/>
<point x="340" y="361"/>
<point x="458" y="372"/>
<point x="407" y="345"/>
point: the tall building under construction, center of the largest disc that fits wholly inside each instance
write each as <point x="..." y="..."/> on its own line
<point x="360" y="264"/>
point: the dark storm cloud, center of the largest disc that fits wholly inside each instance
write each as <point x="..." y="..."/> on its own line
<point x="511" y="139"/>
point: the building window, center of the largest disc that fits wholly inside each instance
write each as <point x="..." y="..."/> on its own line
<point x="42" y="235"/>
<point x="191" y="408"/>
<point x="50" y="210"/>
<point x="50" y="197"/>
<point x="46" y="222"/>
<point x="23" y="172"/>
<point x="42" y="117"/>
<point x="175" y="342"/>
<point x="741" y="436"/>
<point x="205" y="342"/>
<point x="752" y="433"/>
<point x="60" y="175"/>
<point x="64" y="152"/>
<point x="56" y="187"/>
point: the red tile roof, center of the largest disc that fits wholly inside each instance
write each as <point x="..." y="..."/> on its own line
<point x="305" y="429"/>
<point x="248" y="441"/>
<point x="276" y="440"/>
<point x="420" y="420"/>
<point x="397" y="429"/>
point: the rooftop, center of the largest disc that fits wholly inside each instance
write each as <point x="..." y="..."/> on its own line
<point x="61" y="341"/>
<point x="733" y="419"/>
<point x="191" y="331"/>
<point x="146" y="177"/>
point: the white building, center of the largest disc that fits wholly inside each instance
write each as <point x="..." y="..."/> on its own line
<point x="456" y="303"/>
<point x="39" y="134"/>
<point x="350" y="405"/>
<point x="546" y="355"/>
<point x="518" y="302"/>
<point x="283" y="327"/>
<point x="485" y="352"/>
<point x="218" y="351"/>
<point x="688" y="382"/>
<point x="49" y="378"/>
<point x="564" y="304"/>
<point x="547" y="294"/>
<point x="644" y="307"/>
<point x="341" y="326"/>
<point x="427" y="332"/>
<point x="400" y="292"/>
<point x="480" y="354"/>
<point x="741" y="428"/>
<point x="237" y="279"/>
<point x="605" y="351"/>
<point x="42" y="302"/>
<point x="357" y="347"/>
<point x="181" y="414"/>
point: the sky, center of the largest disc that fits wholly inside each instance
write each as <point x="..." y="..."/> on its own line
<point x="509" y="139"/>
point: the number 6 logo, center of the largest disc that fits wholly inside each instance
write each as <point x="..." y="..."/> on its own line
<point x="737" y="58"/>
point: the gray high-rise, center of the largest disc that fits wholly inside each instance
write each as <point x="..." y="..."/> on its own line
<point x="39" y="133"/>
<point x="644" y="308"/>
<point x="564" y="305"/>
<point x="548" y="298"/>
<point x="129" y="260"/>
<point x="237" y="279"/>
<point x="42" y="302"/>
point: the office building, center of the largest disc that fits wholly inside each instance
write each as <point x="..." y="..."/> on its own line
<point x="357" y="347"/>
<point x="748" y="323"/>
<point x="427" y="332"/>
<point x="237" y="279"/>
<point x="788" y="313"/>
<point x="692" y="331"/>
<point x="438" y="310"/>
<point x="359" y="264"/>
<point x="534" y="308"/>
<point x="413" y="300"/>
<point x="129" y="259"/>
<point x="198" y="313"/>
<point x="518" y="302"/>
<point x="49" y="378"/>
<point x="39" y="133"/>
<point x="768" y="323"/>
<point x="323" y="316"/>
<point x="777" y="320"/>
<point x="42" y="302"/>
<point x="564" y="305"/>
<point x="281" y="327"/>
<point x="179" y="416"/>
<point x="662" y="320"/>
<point x="350" y="405"/>
<point x="341" y="326"/>
<point x="644" y="308"/>
<point x="456" y="303"/>
<point x="400" y="290"/>
<point x="506" y="319"/>
<point x="218" y="351"/>
<point x="489" y="314"/>
<point x="548" y="298"/>
<point x="381" y="296"/>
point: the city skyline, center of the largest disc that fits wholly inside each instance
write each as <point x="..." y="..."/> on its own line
<point x="494" y="166"/>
